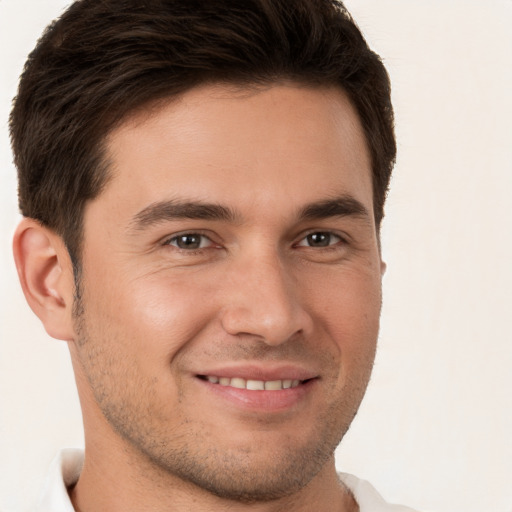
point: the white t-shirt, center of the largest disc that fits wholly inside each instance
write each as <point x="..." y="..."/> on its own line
<point x="66" y="468"/>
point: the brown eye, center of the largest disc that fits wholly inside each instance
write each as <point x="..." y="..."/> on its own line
<point x="190" y="241"/>
<point x="320" y="239"/>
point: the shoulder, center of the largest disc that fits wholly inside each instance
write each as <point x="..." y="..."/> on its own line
<point x="367" y="497"/>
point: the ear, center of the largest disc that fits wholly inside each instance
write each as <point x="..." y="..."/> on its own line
<point x="46" y="276"/>
<point x="383" y="267"/>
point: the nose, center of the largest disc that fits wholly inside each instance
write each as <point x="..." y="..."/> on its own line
<point x="263" y="300"/>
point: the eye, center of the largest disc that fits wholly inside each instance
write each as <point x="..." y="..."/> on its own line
<point x="320" y="239"/>
<point x="190" y="241"/>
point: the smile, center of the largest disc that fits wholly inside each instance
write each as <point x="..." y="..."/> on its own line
<point x="258" y="389"/>
<point x="253" y="385"/>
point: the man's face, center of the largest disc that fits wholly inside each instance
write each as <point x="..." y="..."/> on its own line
<point x="231" y="288"/>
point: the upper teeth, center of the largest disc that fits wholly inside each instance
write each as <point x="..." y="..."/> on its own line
<point x="254" y="385"/>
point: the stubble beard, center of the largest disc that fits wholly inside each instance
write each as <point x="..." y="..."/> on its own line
<point x="235" y="474"/>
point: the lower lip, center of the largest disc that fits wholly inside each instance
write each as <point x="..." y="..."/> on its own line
<point x="264" y="401"/>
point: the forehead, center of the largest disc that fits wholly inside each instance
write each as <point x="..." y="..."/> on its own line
<point x="276" y="147"/>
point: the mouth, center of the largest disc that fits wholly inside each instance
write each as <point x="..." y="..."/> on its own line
<point x="259" y="390"/>
<point x="253" y="385"/>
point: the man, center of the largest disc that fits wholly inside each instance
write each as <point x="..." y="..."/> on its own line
<point x="202" y="185"/>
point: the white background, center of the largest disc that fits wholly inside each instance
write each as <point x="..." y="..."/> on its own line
<point x="434" y="431"/>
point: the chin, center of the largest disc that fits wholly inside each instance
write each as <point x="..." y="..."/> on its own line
<point x="243" y="478"/>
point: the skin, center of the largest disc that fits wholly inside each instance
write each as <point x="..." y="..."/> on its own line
<point x="267" y="289"/>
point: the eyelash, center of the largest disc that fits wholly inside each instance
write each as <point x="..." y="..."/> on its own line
<point x="330" y="246"/>
<point x="191" y="234"/>
<point x="330" y="234"/>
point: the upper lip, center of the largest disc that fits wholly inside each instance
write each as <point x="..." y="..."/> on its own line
<point x="261" y="372"/>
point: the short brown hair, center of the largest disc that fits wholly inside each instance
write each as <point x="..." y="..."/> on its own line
<point x="105" y="58"/>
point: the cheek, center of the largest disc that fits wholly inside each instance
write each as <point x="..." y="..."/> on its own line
<point x="346" y="300"/>
<point x="153" y="313"/>
<point x="347" y="311"/>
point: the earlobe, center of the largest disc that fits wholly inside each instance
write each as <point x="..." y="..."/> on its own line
<point x="46" y="276"/>
<point x="383" y="267"/>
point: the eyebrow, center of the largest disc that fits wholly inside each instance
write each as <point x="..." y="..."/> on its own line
<point x="342" y="206"/>
<point x="170" y="210"/>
